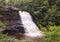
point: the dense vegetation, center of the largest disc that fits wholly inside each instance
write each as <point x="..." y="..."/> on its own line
<point x="46" y="14"/>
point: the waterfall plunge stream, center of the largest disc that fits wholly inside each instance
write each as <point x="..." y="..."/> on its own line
<point x="31" y="29"/>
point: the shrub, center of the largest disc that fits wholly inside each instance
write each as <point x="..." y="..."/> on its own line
<point x="5" y="38"/>
<point x="53" y="35"/>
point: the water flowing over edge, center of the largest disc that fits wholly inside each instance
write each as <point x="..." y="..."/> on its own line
<point x="30" y="27"/>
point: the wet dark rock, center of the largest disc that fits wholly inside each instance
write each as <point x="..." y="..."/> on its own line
<point x="11" y="19"/>
<point x="13" y="30"/>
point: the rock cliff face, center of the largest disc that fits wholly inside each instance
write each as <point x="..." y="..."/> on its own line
<point x="9" y="11"/>
<point x="9" y="16"/>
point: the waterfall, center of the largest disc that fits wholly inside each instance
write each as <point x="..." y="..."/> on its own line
<point x="30" y="27"/>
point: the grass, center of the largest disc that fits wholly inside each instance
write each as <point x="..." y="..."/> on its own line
<point x="5" y="38"/>
<point x="53" y="35"/>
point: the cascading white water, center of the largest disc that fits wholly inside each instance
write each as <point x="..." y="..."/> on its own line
<point x="29" y="26"/>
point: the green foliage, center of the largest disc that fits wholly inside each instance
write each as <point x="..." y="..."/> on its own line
<point x="1" y="24"/>
<point x="0" y="16"/>
<point x="44" y="11"/>
<point x="5" y="38"/>
<point x="13" y="2"/>
<point x="53" y="35"/>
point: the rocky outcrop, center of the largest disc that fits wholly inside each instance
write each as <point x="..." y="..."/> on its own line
<point x="11" y="19"/>
<point x="8" y="8"/>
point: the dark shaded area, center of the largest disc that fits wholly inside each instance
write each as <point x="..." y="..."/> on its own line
<point x="14" y="31"/>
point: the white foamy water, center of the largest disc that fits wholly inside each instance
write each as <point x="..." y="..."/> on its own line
<point x="30" y="27"/>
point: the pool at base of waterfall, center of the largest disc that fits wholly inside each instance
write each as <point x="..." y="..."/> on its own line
<point x="32" y="36"/>
<point x="29" y="36"/>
